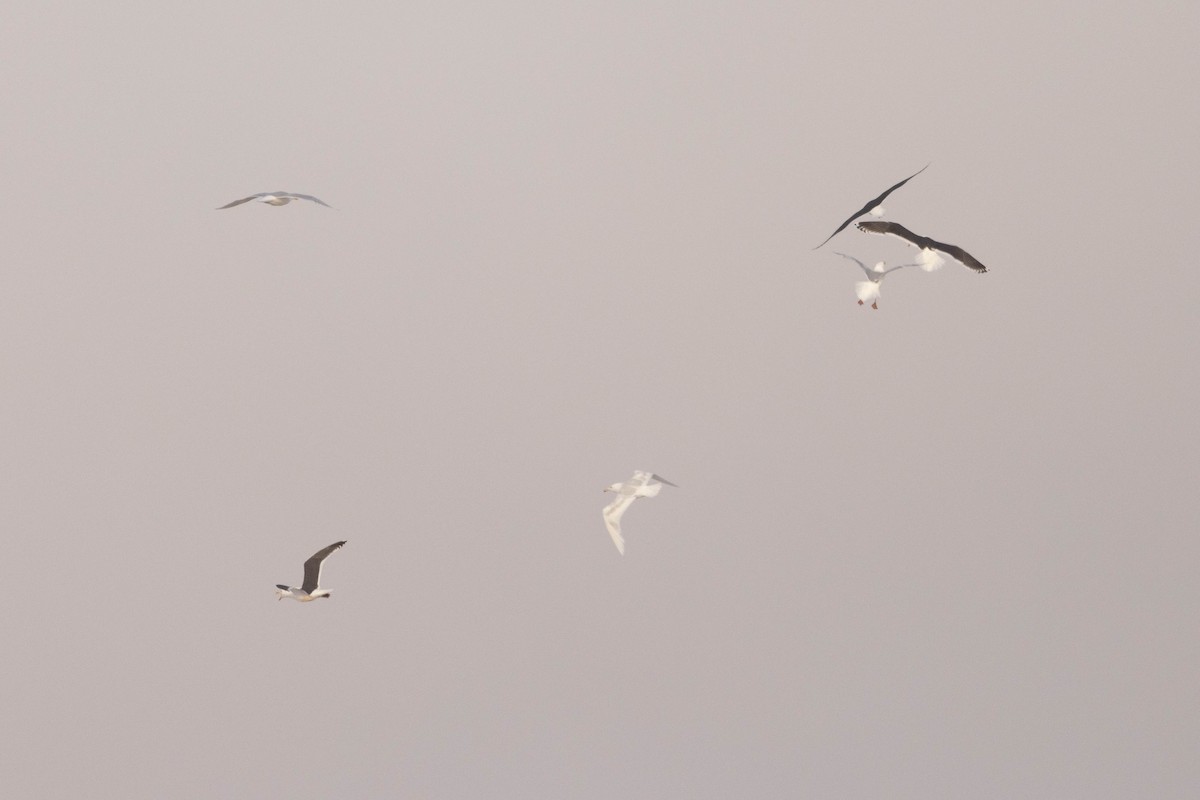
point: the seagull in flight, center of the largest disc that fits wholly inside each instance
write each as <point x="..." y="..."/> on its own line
<point x="310" y="590"/>
<point x="275" y="199"/>
<point x="873" y="208"/>
<point x="642" y="484"/>
<point x="869" y="289"/>
<point x="930" y="248"/>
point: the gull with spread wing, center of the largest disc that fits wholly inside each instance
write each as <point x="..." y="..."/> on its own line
<point x="869" y="289"/>
<point x="873" y="207"/>
<point x="931" y="250"/>
<point x="310" y="590"/>
<point x="642" y="484"/>
<point x="275" y="199"/>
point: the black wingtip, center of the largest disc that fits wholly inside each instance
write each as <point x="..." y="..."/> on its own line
<point x="835" y="233"/>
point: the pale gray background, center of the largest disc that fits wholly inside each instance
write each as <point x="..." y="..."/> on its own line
<point x="943" y="550"/>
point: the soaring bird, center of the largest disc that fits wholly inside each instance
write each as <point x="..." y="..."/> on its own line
<point x="642" y="484"/>
<point x="869" y="289"/>
<point x="310" y="589"/>
<point x="930" y="260"/>
<point x="872" y="207"/>
<point x="275" y="199"/>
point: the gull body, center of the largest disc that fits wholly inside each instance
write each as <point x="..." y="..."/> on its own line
<point x="275" y="199"/>
<point x="642" y="484"/>
<point x="868" y="290"/>
<point x="309" y="590"/>
<point x="873" y="208"/>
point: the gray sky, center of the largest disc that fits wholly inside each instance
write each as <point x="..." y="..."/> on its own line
<point x="942" y="550"/>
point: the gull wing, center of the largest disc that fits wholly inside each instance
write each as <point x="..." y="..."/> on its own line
<point x="898" y="266"/>
<point x="612" y="519"/>
<point x="962" y="256"/>
<point x="310" y="197"/>
<point x="894" y="229"/>
<point x="239" y="202"/>
<point x="871" y="205"/>
<point x="312" y="567"/>
<point x="661" y="479"/>
<point x="861" y="265"/>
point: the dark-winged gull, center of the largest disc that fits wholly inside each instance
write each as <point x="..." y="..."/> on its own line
<point x="869" y="289"/>
<point x="642" y="484"/>
<point x="310" y="589"/>
<point x="275" y="199"/>
<point x="930" y="260"/>
<point x="873" y="208"/>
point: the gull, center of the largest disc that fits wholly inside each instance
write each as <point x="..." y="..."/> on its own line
<point x="642" y="484"/>
<point x="310" y="590"/>
<point x="873" y="208"/>
<point x="930" y="248"/>
<point x="869" y="289"/>
<point x="275" y="199"/>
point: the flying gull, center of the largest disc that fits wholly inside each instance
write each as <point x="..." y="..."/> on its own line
<point x="310" y="590"/>
<point x="276" y="199"/>
<point x="869" y="289"/>
<point x="642" y="484"/>
<point x="930" y="248"/>
<point x="873" y="208"/>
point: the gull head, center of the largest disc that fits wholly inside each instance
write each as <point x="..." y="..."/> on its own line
<point x="877" y="211"/>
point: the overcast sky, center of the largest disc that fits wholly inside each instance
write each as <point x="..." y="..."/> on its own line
<point x="946" y="549"/>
